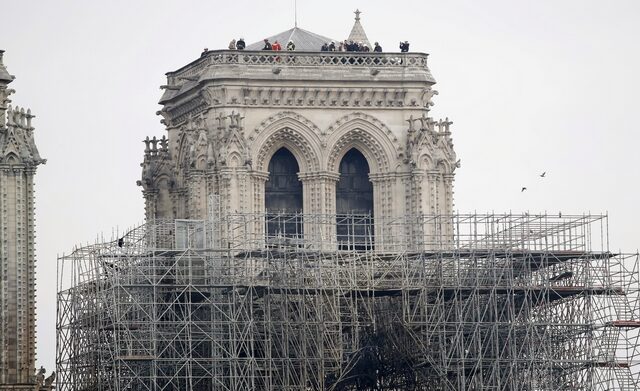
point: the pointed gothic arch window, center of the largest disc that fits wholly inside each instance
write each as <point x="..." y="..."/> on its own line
<point x="354" y="203"/>
<point x="283" y="196"/>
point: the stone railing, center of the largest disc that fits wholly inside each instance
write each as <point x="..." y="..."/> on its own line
<point x="302" y="59"/>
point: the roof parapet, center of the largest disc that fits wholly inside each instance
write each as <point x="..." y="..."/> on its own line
<point x="302" y="59"/>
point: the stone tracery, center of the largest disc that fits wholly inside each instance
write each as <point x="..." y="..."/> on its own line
<point x="366" y="133"/>
<point x="289" y="130"/>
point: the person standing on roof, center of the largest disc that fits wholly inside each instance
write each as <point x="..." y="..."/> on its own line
<point x="377" y="47"/>
<point x="291" y="46"/>
<point x="332" y="46"/>
<point x="277" y="47"/>
<point x="324" y="48"/>
<point x="404" y="46"/>
<point x="240" y="45"/>
<point x="267" y="45"/>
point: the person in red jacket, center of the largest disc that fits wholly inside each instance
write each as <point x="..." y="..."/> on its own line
<point x="277" y="47"/>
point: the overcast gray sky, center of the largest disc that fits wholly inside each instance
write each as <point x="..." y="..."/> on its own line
<point x="531" y="86"/>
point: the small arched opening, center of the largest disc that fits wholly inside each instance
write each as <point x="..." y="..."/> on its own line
<point x="354" y="203"/>
<point x="283" y="197"/>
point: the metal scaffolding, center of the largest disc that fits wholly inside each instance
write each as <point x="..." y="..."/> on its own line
<point x="462" y="302"/>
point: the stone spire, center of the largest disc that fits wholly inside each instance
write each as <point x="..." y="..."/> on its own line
<point x="357" y="32"/>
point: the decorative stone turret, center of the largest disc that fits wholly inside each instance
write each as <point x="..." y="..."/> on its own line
<point x="357" y="32"/>
<point x="19" y="158"/>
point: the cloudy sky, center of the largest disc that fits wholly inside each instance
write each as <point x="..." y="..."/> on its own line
<point x="531" y="86"/>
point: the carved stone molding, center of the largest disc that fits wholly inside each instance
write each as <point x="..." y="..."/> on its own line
<point x="319" y="175"/>
<point x="366" y="133"/>
<point x="177" y="114"/>
<point x="290" y="130"/>
<point x="329" y="97"/>
<point x="282" y="115"/>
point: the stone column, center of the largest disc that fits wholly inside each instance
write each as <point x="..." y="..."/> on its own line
<point x="385" y="231"/>
<point x="197" y="195"/>
<point x="319" y="208"/>
<point x="258" y="180"/>
<point x="432" y="225"/>
<point x="172" y="203"/>
<point x="448" y="228"/>
<point x="417" y="194"/>
<point x="150" y="204"/>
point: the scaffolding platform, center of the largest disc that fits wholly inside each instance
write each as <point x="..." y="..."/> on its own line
<point x="461" y="302"/>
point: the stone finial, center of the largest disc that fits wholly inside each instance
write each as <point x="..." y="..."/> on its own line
<point x="411" y="122"/>
<point x="147" y="143"/>
<point x="23" y="117"/>
<point x="29" y="116"/>
<point x="236" y="119"/>
<point x="222" y="121"/>
<point x="424" y="122"/>
<point x="357" y="12"/>
<point x="164" y="144"/>
<point x="444" y="125"/>
<point x="40" y="376"/>
<point x="154" y="145"/>
<point x="9" y="115"/>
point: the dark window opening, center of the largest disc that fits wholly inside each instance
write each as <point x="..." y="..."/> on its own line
<point x="354" y="203"/>
<point x="283" y="198"/>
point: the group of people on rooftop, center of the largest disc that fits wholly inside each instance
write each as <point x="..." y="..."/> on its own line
<point x="350" y="46"/>
<point x="345" y="46"/>
<point x="239" y="45"/>
<point x="276" y="45"/>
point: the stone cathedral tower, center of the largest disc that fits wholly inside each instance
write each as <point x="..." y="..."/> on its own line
<point x="304" y="131"/>
<point x="19" y="159"/>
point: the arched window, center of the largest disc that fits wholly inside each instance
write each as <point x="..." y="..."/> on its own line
<point x="354" y="203"/>
<point x="283" y="196"/>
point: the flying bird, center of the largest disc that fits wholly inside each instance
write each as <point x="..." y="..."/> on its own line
<point x="523" y="189"/>
<point x="543" y="174"/>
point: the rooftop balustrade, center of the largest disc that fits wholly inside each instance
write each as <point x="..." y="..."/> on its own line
<point x="302" y="59"/>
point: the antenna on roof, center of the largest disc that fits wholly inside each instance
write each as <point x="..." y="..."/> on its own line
<point x="295" y="13"/>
